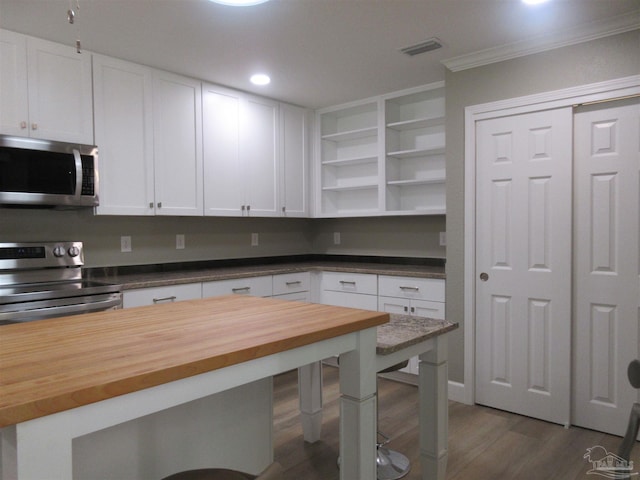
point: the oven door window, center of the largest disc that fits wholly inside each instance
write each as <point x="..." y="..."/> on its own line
<point x="31" y="171"/>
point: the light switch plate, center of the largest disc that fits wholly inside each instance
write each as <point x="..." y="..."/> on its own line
<point x="180" y="241"/>
<point x="443" y="239"/>
<point x="125" y="243"/>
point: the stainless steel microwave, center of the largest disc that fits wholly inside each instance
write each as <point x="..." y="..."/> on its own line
<point x="42" y="172"/>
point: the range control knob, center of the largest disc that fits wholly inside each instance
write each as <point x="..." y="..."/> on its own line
<point x="74" y="251"/>
<point x="58" y="251"/>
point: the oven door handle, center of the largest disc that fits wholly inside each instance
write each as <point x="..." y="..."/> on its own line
<point x="61" y="311"/>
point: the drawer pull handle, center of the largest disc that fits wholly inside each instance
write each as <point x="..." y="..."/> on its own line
<point x="297" y="282"/>
<point x="172" y="298"/>
<point x="347" y="282"/>
<point x="414" y="289"/>
<point x="240" y="289"/>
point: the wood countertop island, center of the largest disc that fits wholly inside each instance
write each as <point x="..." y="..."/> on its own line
<point x="198" y="369"/>
<point x="55" y="365"/>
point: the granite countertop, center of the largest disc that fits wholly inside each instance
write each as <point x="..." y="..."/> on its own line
<point x="403" y="331"/>
<point x="162" y="275"/>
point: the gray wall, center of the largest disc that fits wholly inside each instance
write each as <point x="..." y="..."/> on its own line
<point x="599" y="60"/>
<point x="212" y="238"/>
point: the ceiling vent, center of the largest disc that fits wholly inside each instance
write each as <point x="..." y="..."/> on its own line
<point x="422" y="47"/>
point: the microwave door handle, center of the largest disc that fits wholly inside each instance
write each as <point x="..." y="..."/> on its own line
<point x="78" y="161"/>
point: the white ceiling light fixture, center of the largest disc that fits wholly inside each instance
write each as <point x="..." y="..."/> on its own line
<point x="239" y="3"/>
<point x="260" y="79"/>
<point x="534" y="2"/>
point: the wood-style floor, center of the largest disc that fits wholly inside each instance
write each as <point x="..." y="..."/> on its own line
<point x="484" y="444"/>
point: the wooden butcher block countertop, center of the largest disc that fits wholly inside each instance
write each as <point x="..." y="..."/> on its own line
<point x="55" y="365"/>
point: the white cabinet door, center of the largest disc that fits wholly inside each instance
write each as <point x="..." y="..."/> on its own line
<point x="294" y="169"/>
<point x="155" y="295"/>
<point x="60" y="97"/>
<point x="259" y="155"/>
<point x="177" y="122"/>
<point x="124" y="135"/>
<point x="523" y="264"/>
<point x="14" y="103"/>
<point x="223" y="174"/>
<point x="46" y="90"/>
<point x="607" y="270"/>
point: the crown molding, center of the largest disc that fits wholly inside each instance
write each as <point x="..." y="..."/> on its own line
<point x="540" y="43"/>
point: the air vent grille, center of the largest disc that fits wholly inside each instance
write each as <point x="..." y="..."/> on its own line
<point x="422" y="47"/>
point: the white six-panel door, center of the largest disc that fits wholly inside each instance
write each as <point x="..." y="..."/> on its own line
<point x="607" y="282"/>
<point x="523" y="263"/>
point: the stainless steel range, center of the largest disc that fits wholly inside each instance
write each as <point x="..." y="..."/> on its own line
<point x="44" y="280"/>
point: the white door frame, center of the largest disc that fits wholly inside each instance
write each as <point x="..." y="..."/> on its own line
<point x="601" y="91"/>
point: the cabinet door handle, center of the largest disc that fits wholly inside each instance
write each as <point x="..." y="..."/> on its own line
<point x="240" y="289"/>
<point x="413" y="310"/>
<point x="34" y="126"/>
<point x="23" y="125"/>
<point x="172" y="298"/>
<point x="150" y="204"/>
<point x="284" y="209"/>
<point x="248" y="208"/>
<point x="159" y="204"/>
<point x="413" y="289"/>
<point x="406" y="309"/>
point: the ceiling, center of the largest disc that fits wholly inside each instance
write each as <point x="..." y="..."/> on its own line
<point x="317" y="52"/>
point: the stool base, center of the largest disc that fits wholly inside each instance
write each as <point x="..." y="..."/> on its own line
<point x="391" y="465"/>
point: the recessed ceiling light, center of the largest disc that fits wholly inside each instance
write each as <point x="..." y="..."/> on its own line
<point x="260" y="79"/>
<point x="239" y="3"/>
<point x="534" y="2"/>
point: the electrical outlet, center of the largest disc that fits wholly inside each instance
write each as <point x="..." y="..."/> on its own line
<point x="443" y="239"/>
<point x="179" y="241"/>
<point x="254" y="239"/>
<point x="336" y="238"/>
<point x="125" y="243"/>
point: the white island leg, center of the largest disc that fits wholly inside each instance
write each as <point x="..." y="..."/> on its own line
<point x="310" y="395"/>
<point x="434" y="411"/>
<point x="358" y="410"/>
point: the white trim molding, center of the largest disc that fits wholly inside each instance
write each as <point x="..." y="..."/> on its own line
<point x="541" y="43"/>
<point x="595" y="92"/>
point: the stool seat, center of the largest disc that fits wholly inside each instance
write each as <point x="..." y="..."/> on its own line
<point x="272" y="472"/>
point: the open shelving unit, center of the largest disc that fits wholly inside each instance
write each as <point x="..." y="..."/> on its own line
<point x="414" y="140"/>
<point x="383" y="156"/>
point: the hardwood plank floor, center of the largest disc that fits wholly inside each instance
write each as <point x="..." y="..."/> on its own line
<point x="484" y="444"/>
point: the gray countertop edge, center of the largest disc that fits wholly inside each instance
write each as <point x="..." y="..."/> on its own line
<point x="403" y="331"/>
<point x="147" y="280"/>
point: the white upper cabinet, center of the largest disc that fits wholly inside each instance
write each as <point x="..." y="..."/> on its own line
<point x="124" y="135"/>
<point x="177" y="126"/>
<point x="382" y="156"/>
<point x="148" y="131"/>
<point x="46" y="90"/>
<point x="294" y="163"/>
<point x="240" y="136"/>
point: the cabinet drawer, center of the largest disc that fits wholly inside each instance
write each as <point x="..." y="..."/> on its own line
<point x="291" y="283"/>
<point x="409" y="287"/>
<point x="350" y="282"/>
<point x="296" y="297"/>
<point x="352" y="300"/>
<point x="155" y="295"/>
<point x="256" y="286"/>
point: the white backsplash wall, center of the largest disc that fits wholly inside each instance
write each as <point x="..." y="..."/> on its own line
<point x="407" y="236"/>
<point x="153" y="239"/>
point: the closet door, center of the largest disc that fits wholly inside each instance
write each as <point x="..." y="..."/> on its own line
<point x="523" y="264"/>
<point x="607" y="270"/>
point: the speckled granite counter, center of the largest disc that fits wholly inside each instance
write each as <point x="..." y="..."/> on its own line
<point x="146" y="276"/>
<point x="403" y="331"/>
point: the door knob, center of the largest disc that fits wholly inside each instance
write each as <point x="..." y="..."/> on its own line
<point x="484" y="276"/>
